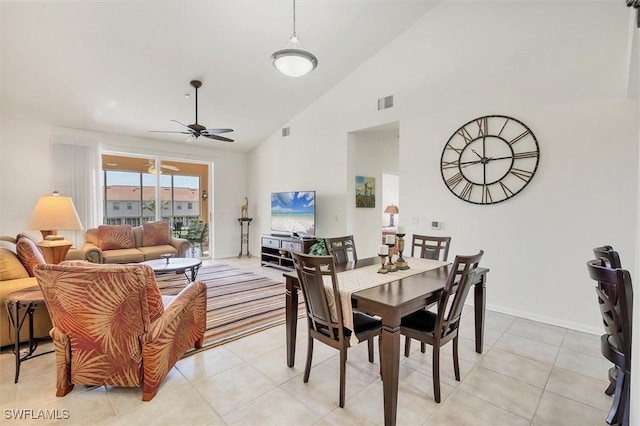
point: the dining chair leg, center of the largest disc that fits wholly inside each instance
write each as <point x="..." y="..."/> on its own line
<point x="436" y="371"/>
<point x="370" y="347"/>
<point x="407" y="345"/>
<point x="380" y="355"/>
<point x="613" y="372"/>
<point x="343" y="367"/>
<point x="456" y="364"/>
<point x="614" y="414"/>
<point x="307" y="368"/>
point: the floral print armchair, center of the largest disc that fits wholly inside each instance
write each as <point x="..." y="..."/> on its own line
<point x="112" y="327"/>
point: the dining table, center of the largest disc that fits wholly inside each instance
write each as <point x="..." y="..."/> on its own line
<point x="390" y="301"/>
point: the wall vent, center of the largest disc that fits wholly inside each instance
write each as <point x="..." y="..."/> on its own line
<point x="286" y="131"/>
<point x="386" y="102"/>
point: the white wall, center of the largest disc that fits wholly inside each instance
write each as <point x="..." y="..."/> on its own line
<point x="567" y="83"/>
<point x="25" y="167"/>
<point x="369" y="154"/>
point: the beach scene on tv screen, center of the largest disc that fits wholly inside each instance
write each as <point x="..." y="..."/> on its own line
<point x="293" y="212"/>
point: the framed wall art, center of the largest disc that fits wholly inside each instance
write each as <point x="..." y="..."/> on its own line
<point x="365" y="191"/>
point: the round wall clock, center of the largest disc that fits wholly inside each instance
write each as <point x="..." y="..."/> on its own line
<point x="489" y="159"/>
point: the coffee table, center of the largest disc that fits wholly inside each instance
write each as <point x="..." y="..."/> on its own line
<point x="187" y="265"/>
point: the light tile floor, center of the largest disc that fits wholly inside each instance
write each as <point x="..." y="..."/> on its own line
<point x="529" y="374"/>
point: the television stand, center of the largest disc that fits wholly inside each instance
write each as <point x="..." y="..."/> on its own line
<point x="276" y="250"/>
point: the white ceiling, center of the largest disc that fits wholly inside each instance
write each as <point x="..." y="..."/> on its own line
<point x="124" y="67"/>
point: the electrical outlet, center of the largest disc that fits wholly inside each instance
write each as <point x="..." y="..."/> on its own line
<point x="415" y="220"/>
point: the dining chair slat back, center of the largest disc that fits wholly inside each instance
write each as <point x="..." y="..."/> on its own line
<point x="343" y="249"/>
<point x="430" y="247"/>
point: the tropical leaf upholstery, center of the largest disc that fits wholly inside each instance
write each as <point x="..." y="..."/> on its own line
<point x="103" y="333"/>
<point x="156" y="233"/>
<point x="116" y="237"/>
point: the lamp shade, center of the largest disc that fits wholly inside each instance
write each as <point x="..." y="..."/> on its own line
<point x="53" y="212"/>
<point x="392" y="209"/>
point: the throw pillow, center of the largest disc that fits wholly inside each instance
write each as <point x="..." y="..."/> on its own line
<point x="156" y="234"/>
<point x="115" y="237"/>
<point x="10" y="266"/>
<point x="29" y="254"/>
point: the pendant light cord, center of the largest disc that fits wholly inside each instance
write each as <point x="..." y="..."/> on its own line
<point x="294" y="19"/>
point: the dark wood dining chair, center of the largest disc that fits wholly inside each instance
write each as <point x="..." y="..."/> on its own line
<point x="343" y="249"/>
<point x="438" y="329"/>
<point x="330" y="331"/>
<point x="615" y="298"/>
<point x="612" y="260"/>
<point x="430" y="247"/>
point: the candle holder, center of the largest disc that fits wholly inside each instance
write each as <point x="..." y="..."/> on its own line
<point x="166" y="257"/>
<point x="390" y="265"/>
<point x="382" y="269"/>
<point x="400" y="262"/>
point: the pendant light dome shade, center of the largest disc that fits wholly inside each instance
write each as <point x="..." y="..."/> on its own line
<point x="293" y="60"/>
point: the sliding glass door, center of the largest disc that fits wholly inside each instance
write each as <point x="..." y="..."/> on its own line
<point x="135" y="192"/>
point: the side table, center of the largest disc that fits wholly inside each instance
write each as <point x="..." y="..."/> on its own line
<point x="20" y="305"/>
<point x="54" y="251"/>
<point x="244" y="235"/>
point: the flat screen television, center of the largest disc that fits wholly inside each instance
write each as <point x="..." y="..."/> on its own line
<point x="294" y="212"/>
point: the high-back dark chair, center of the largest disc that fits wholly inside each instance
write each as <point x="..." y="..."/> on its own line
<point x="430" y="247"/>
<point x="608" y="253"/>
<point x="330" y="331"/>
<point x="437" y="329"/>
<point x="615" y="298"/>
<point x="343" y="249"/>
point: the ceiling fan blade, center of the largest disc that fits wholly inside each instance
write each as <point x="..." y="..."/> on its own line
<point x="170" y="167"/>
<point x="218" y="138"/>
<point x="168" y="131"/>
<point x="184" y="125"/>
<point x="206" y="132"/>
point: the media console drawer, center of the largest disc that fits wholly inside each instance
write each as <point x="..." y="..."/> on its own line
<point x="292" y="246"/>
<point x="276" y="250"/>
<point x="270" y="242"/>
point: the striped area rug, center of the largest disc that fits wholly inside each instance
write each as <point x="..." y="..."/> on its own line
<point x="239" y="302"/>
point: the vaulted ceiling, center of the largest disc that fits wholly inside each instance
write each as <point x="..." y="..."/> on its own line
<point x="124" y="67"/>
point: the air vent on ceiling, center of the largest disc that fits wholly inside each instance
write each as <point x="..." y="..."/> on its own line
<point x="386" y="102"/>
<point x="286" y="131"/>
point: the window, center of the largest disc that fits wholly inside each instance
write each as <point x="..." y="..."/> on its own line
<point x="135" y="190"/>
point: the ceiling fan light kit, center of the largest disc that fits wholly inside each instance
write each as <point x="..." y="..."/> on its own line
<point x="293" y="60"/>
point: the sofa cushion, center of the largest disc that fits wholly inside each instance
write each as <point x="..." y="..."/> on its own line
<point x="156" y="234"/>
<point x="132" y="255"/>
<point x="8" y="245"/>
<point x="29" y="254"/>
<point x="154" y="252"/>
<point x="10" y="266"/>
<point x="115" y="237"/>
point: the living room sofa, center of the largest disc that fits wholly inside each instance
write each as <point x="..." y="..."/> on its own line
<point x="15" y="276"/>
<point x="127" y="244"/>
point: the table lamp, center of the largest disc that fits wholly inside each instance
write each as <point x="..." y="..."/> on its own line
<point x="53" y="212"/>
<point x="391" y="209"/>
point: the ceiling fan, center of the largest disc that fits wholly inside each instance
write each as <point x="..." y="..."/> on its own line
<point x="151" y="167"/>
<point x="196" y="130"/>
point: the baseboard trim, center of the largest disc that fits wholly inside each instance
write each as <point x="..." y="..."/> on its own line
<point x="544" y="319"/>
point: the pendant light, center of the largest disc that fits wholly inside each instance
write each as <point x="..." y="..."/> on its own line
<point x="293" y="60"/>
